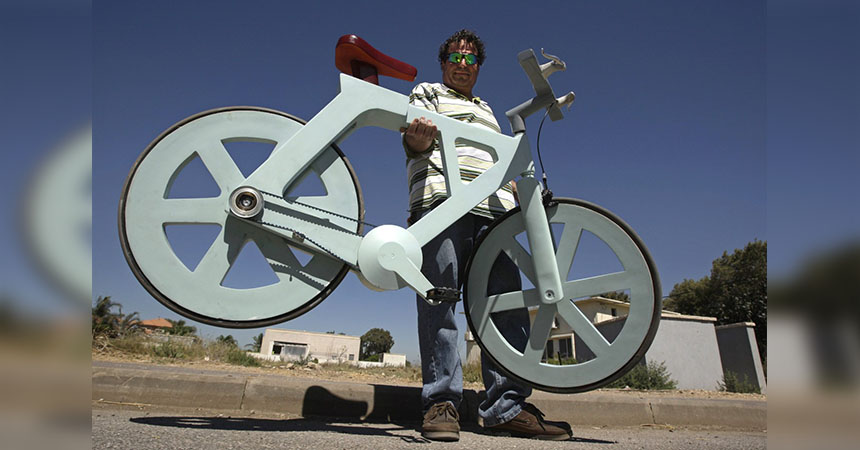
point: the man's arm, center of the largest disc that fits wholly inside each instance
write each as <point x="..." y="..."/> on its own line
<point x="419" y="136"/>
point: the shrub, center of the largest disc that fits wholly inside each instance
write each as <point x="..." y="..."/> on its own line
<point x="129" y="344"/>
<point x="732" y="383"/>
<point x="242" y="358"/>
<point x="472" y="373"/>
<point x="170" y="350"/>
<point x="646" y="377"/>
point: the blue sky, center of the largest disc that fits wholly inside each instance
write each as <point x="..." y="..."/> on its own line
<point x="696" y="122"/>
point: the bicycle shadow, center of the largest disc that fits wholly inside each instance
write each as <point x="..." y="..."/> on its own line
<point x="404" y="433"/>
<point x="324" y="411"/>
<point x="396" y="410"/>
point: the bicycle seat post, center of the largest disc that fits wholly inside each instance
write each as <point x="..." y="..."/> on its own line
<point x="364" y="71"/>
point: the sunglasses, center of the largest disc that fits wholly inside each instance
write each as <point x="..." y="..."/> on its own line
<point x="457" y="57"/>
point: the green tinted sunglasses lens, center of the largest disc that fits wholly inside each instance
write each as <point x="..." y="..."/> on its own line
<point x="457" y="57"/>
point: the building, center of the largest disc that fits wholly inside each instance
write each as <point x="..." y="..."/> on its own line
<point x="306" y="345"/>
<point x="687" y="345"/>
<point x="561" y="342"/>
<point x="388" y="360"/>
<point x="155" y="325"/>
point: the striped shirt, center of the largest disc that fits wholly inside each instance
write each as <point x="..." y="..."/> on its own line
<point x="426" y="177"/>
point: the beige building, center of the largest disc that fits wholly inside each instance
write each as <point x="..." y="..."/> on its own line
<point x="296" y="345"/>
<point x="561" y="342"/>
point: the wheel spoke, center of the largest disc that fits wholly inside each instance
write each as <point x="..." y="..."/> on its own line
<point x="587" y="287"/>
<point x="583" y="327"/>
<point x="539" y="334"/>
<point x="513" y="300"/>
<point x="222" y="167"/>
<point x="189" y="210"/>
<point x="567" y="248"/>
<point x="521" y="258"/>
<point x="283" y="261"/>
<point x="220" y="257"/>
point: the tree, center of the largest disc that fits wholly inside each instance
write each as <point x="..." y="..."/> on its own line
<point x="227" y="340"/>
<point x="735" y="291"/>
<point x="128" y="324"/>
<point x="106" y="322"/>
<point x="689" y="296"/>
<point x="375" y="342"/>
<point x="256" y="344"/>
<point x="179" y="328"/>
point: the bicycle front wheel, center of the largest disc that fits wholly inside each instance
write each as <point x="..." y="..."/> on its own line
<point x="597" y="359"/>
<point x="297" y="281"/>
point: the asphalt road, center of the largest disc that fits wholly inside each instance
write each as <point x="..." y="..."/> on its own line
<point x="143" y="429"/>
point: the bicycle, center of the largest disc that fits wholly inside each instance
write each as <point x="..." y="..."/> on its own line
<point x="331" y="227"/>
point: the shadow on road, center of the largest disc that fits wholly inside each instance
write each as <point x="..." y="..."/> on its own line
<point x="395" y="409"/>
<point x="273" y="425"/>
<point x="389" y="403"/>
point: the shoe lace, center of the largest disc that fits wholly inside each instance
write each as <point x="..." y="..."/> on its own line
<point x="535" y="411"/>
<point x="443" y="409"/>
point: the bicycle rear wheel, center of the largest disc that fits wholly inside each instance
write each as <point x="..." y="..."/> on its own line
<point x="599" y="360"/>
<point x="147" y="208"/>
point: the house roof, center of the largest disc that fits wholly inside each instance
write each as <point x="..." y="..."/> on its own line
<point x="316" y="333"/>
<point x="156" y="323"/>
<point x="608" y="301"/>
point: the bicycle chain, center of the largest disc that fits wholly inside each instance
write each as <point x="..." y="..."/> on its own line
<point x="434" y="296"/>
<point x="316" y="208"/>
<point x="303" y="236"/>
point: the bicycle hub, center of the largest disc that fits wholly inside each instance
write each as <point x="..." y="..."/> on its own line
<point x="246" y="202"/>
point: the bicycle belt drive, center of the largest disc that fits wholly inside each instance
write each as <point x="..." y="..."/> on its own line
<point x="437" y="294"/>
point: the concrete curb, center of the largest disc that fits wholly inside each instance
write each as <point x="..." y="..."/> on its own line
<point x="174" y="387"/>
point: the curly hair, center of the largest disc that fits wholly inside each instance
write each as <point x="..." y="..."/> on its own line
<point x="463" y="35"/>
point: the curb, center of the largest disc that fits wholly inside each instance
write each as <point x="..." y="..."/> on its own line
<point x="143" y="384"/>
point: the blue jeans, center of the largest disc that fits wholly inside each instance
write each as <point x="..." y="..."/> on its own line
<point x="444" y="264"/>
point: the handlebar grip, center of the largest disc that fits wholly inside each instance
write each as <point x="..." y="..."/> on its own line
<point x="554" y="65"/>
<point x="529" y="63"/>
<point x="566" y="100"/>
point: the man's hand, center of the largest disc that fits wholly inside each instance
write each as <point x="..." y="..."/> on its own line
<point x="420" y="134"/>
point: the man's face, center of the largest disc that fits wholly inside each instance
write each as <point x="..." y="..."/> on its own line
<point x="460" y="77"/>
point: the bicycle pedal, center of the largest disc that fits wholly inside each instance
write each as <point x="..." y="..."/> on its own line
<point x="443" y="294"/>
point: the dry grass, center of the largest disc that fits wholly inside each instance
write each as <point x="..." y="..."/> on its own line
<point x="174" y="349"/>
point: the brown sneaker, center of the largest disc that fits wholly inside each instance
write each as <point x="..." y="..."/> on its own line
<point x="441" y="423"/>
<point x="529" y="423"/>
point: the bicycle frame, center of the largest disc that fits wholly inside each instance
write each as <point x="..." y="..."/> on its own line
<point x="360" y="104"/>
<point x="266" y="208"/>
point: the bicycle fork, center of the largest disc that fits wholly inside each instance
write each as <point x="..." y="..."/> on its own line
<point x="547" y="278"/>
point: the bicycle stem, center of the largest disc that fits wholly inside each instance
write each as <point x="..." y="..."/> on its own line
<point x="516" y="116"/>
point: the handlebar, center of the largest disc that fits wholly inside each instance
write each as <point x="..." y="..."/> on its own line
<point x="545" y="97"/>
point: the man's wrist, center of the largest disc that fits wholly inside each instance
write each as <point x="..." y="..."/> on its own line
<point x="412" y="150"/>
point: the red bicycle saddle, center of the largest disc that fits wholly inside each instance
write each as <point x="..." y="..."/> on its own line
<point x="354" y="56"/>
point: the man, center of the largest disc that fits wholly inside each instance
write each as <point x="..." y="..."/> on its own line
<point x="505" y="410"/>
